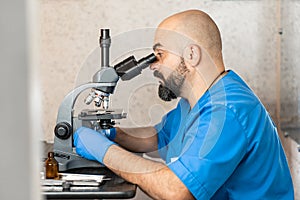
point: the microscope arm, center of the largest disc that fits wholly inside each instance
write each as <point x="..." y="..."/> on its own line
<point x="64" y="126"/>
<point x="67" y="105"/>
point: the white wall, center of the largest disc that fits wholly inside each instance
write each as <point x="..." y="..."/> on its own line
<point x="70" y="31"/>
<point x="290" y="84"/>
<point x="290" y="68"/>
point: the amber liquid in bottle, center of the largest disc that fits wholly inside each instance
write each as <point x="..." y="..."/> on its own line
<point x="51" y="167"/>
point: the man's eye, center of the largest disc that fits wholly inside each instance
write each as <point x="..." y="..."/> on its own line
<point x="159" y="54"/>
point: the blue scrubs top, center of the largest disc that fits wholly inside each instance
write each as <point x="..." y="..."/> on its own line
<point x="226" y="146"/>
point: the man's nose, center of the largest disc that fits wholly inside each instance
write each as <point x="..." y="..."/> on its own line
<point x="154" y="66"/>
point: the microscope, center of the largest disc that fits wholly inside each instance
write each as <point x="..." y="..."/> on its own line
<point x="102" y="86"/>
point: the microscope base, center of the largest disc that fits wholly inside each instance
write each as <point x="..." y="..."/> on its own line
<point x="69" y="161"/>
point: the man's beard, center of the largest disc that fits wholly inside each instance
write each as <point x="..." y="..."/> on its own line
<point x="173" y="84"/>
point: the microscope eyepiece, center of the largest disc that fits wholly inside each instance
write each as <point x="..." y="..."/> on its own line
<point x="130" y="68"/>
<point x="151" y="58"/>
<point x="104" y="34"/>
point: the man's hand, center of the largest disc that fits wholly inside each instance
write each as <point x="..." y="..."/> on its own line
<point x="91" y="144"/>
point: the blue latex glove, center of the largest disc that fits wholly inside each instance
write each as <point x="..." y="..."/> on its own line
<point x="91" y="144"/>
<point x="110" y="133"/>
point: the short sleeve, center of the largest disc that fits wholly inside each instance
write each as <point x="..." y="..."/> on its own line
<point x="216" y="143"/>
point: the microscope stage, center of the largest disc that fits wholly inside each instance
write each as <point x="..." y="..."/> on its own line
<point x="97" y="114"/>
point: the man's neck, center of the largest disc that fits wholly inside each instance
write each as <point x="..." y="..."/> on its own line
<point x="198" y="87"/>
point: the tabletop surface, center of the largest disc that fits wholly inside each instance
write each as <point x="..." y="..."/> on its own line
<point x="113" y="187"/>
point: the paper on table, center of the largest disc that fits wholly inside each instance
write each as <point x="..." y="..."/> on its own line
<point x="81" y="177"/>
<point x="74" y="179"/>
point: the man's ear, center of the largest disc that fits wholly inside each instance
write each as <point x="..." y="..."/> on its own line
<point x="192" y="54"/>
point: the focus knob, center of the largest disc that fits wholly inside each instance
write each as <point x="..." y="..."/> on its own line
<point x="63" y="130"/>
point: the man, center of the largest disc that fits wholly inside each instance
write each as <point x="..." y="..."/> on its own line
<point x="219" y="143"/>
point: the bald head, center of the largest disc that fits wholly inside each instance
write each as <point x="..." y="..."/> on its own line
<point x="191" y="27"/>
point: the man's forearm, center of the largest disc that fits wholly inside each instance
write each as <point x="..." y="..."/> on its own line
<point x="140" y="140"/>
<point x="155" y="178"/>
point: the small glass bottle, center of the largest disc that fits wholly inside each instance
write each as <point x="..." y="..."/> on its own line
<point x="51" y="167"/>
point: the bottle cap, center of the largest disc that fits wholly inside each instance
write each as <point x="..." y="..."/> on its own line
<point x="50" y="154"/>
